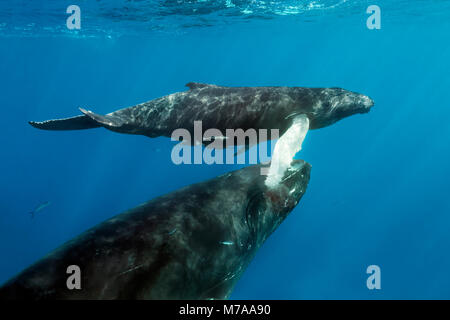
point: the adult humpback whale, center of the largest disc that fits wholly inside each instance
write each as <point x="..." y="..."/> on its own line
<point x="193" y="243"/>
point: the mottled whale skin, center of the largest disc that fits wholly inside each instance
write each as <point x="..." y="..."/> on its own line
<point x="193" y="243"/>
<point x="223" y="108"/>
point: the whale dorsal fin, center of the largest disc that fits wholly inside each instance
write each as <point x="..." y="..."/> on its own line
<point x="197" y="85"/>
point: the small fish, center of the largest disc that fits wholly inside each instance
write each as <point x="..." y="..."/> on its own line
<point x="39" y="208"/>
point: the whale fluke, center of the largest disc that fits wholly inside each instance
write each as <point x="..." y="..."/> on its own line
<point x="87" y="121"/>
<point x="73" y="123"/>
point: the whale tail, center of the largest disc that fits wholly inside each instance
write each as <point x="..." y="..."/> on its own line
<point x="74" y="123"/>
<point x="88" y="120"/>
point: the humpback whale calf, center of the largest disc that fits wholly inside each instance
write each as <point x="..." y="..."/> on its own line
<point x="223" y="108"/>
<point x="291" y="110"/>
<point x="193" y="243"/>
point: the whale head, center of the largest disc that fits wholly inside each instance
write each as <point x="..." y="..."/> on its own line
<point x="286" y="195"/>
<point x="268" y="207"/>
<point x="334" y="104"/>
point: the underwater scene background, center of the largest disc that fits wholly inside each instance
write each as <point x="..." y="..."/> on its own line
<point x="379" y="184"/>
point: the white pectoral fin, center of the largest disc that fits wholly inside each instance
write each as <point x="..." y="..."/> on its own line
<point x="285" y="149"/>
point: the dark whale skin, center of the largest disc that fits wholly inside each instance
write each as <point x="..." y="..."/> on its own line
<point x="193" y="243"/>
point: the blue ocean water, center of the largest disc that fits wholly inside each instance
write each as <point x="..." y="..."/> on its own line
<point x="379" y="186"/>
